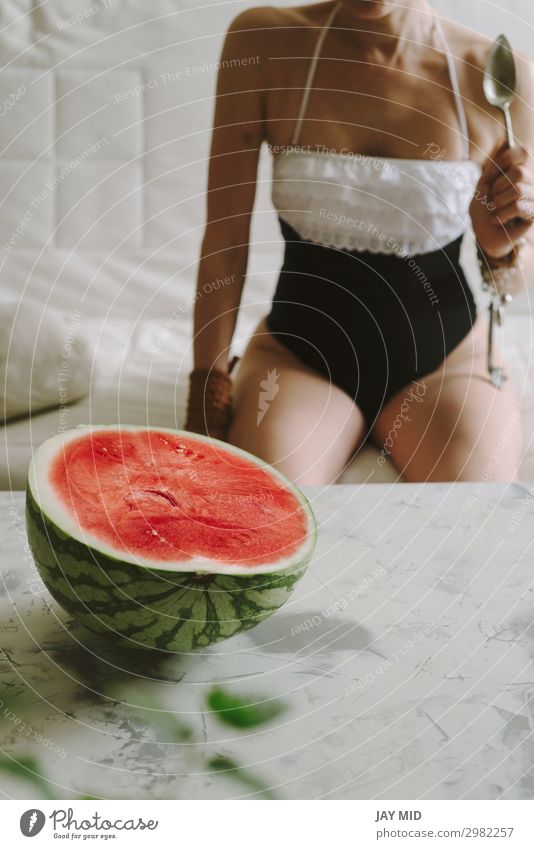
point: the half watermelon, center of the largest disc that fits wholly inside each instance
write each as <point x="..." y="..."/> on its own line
<point x="167" y="539"/>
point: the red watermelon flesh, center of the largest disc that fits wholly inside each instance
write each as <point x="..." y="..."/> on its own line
<point x="166" y="498"/>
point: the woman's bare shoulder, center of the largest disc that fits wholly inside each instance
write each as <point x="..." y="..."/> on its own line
<point x="270" y="25"/>
<point x="300" y="15"/>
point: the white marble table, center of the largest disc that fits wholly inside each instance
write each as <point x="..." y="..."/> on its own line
<point x="404" y="658"/>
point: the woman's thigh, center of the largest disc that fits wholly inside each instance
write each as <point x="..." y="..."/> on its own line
<point x="454" y="424"/>
<point x="291" y="416"/>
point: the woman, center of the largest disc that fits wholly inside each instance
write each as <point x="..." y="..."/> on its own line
<point x="384" y="150"/>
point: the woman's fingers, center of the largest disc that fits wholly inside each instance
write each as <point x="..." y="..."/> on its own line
<point x="518" y="231"/>
<point x="516" y="209"/>
<point x="511" y="193"/>
<point x="510" y="156"/>
<point x="517" y="174"/>
<point x="502" y="159"/>
<point x="491" y="168"/>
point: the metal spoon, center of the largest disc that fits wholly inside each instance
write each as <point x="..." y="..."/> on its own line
<point x="500" y="81"/>
<point x="497" y="375"/>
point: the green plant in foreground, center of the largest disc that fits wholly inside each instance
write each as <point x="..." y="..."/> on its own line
<point x="25" y="768"/>
<point x="241" y="713"/>
<point x="28" y="769"/>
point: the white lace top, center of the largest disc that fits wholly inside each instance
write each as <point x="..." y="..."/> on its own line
<point x="384" y="205"/>
<point x="403" y="206"/>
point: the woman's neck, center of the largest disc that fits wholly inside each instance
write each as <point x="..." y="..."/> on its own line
<point x="382" y="36"/>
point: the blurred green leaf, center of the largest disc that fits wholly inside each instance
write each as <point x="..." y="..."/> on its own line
<point x="28" y="769"/>
<point x="25" y="768"/>
<point x="226" y="765"/>
<point x="171" y="729"/>
<point x="243" y="712"/>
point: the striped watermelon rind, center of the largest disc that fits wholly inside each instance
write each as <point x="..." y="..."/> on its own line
<point x="163" y="609"/>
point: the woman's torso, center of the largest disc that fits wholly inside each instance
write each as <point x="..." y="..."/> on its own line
<point x="361" y="104"/>
<point x="381" y="171"/>
<point x="351" y="200"/>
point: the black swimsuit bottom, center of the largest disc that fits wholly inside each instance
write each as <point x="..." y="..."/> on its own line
<point x="372" y="324"/>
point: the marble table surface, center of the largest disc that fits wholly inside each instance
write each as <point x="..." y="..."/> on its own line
<point x="404" y="662"/>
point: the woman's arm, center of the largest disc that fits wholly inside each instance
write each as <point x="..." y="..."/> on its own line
<point x="507" y="182"/>
<point x="238" y="132"/>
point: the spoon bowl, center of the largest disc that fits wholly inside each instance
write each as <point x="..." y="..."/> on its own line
<point x="500" y="81"/>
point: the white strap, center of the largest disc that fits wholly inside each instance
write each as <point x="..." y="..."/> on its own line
<point x="311" y="74"/>
<point x="455" y="85"/>
<point x="453" y="74"/>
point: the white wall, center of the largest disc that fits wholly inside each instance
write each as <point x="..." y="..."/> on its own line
<point x="514" y="17"/>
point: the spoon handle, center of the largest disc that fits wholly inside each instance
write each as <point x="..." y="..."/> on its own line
<point x="497" y="376"/>
<point x="510" y="138"/>
<point x="491" y="326"/>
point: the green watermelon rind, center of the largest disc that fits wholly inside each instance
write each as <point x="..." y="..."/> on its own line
<point x="174" y="611"/>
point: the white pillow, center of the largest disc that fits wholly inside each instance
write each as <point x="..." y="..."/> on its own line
<point x="45" y="361"/>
